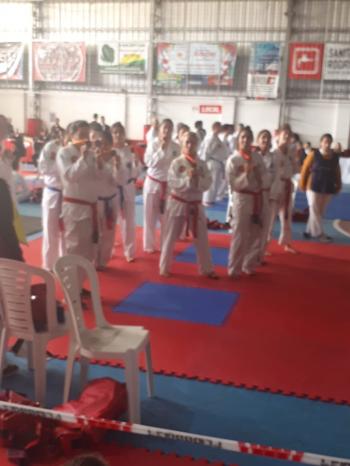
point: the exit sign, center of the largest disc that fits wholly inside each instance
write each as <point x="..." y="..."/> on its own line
<point x="211" y="109"/>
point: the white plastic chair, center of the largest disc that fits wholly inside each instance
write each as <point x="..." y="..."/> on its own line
<point x="104" y="341"/>
<point x="16" y="279"/>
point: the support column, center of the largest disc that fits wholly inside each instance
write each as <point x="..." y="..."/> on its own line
<point x="285" y="61"/>
<point x="33" y="101"/>
<point x="154" y="34"/>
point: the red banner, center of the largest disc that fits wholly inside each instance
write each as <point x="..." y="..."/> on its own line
<point x="11" y="61"/>
<point x="305" y="61"/>
<point x="211" y="109"/>
<point x="59" y="61"/>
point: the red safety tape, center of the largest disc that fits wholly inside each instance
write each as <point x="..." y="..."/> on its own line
<point x="223" y="444"/>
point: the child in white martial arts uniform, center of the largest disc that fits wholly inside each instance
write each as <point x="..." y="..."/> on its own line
<point x="130" y="169"/>
<point x="321" y="179"/>
<point x="188" y="177"/>
<point x="244" y="174"/>
<point x="215" y="153"/>
<point x="272" y="185"/>
<point x="109" y="164"/>
<point x="152" y="133"/>
<point x="158" y="158"/>
<point x="53" y="240"/>
<point x="284" y="205"/>
<point x="79" y="172"/>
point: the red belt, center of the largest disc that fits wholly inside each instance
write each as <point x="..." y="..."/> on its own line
<point x="288" y="190"/>
<point x="194" y="212"/>
<point x="93" y="206"/>
<point x="163" y="185"/>
<point x="257" y="199"/>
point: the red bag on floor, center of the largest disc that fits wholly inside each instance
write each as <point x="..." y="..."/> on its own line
<point x="25" y="435"/>
<point x="101" y="398"/>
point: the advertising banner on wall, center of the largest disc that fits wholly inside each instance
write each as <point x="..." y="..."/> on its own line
<point x="59" y="61"/>
<point x="264" y="66"/>
<point x="201" y="64"/>
<point x="113" y="57"/>
<point x="337" y="62"/>
<point x="305" y="61"/>
<point x="11" y="61"/>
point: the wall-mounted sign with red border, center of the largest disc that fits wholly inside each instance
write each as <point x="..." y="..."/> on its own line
<point x="211" y="109"/>
<point x="305" y="60"/>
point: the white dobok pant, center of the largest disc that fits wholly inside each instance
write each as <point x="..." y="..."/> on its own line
<point x="106" y="231"/>
<point x="173" y="228"/>
<point x="284" y="208"/>
<point x="152" y="200"/>
<point x="217" y="171"/>
<point x="317" y="206"/>
<point x="126" y="220"/>
<point x="53" y="240"/>
<point x="245" y="234"/>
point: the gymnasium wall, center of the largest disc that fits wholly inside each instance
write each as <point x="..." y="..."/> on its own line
<point x="312" y="107"/>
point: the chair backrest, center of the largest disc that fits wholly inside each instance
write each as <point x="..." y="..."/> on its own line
<point x="68" y="270"/>
<point x="16" y="279"/>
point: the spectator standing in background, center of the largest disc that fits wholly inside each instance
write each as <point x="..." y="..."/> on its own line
<point x="200" y="132"/>
<point x="57" y="126"/>
<point x="321" y="179"/>
<point x="104" y="125"/>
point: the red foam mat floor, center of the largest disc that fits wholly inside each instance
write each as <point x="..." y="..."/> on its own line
<point x="121" y="455"/>
<point x="289" y="332"/>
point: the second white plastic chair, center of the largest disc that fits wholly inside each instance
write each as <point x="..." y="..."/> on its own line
<point x="104" y="341"/>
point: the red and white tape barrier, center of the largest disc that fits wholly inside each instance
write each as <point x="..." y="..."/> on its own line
<point x="223" y="444"/>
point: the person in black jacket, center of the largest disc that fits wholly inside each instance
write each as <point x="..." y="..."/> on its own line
<point x="9" y="244"/>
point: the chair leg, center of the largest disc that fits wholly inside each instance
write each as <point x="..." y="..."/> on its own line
<point x="84" y="371"/>
<point x="69" y="371"/>
<point x="3" y="345"/>
<point x="30" y="363"/>
<point x="133" y="387"/>
<point x="39" y="360"/>
<point x="149" y="368"/>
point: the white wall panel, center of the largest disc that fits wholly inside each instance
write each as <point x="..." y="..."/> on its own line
<point x="69" y="106"/>
<point x="187" y="109"/>
<point x="312" y="119"/>
<point x="258" y="114"/>
<point x="13" y="105"/>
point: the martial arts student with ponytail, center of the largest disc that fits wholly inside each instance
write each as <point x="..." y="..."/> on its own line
<point x="271" y="186"/>
<point x="215" y="153"/>
<point x="244" y="173"/>
<point x="79" y="171"/>
<point x="9" y="243"/>
<point x="158" y="157"/>
<point x="284" y="206"/>
<point x="130" y="169"/>
<point x="188" y="178"/>
<point x="108" y="162"/>
<point x="321" y="179"/>
<point x="53" y="241"/>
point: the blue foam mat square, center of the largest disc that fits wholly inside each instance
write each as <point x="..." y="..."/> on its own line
<point x="198" y="305"/>
<point x="219" y="256"/>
